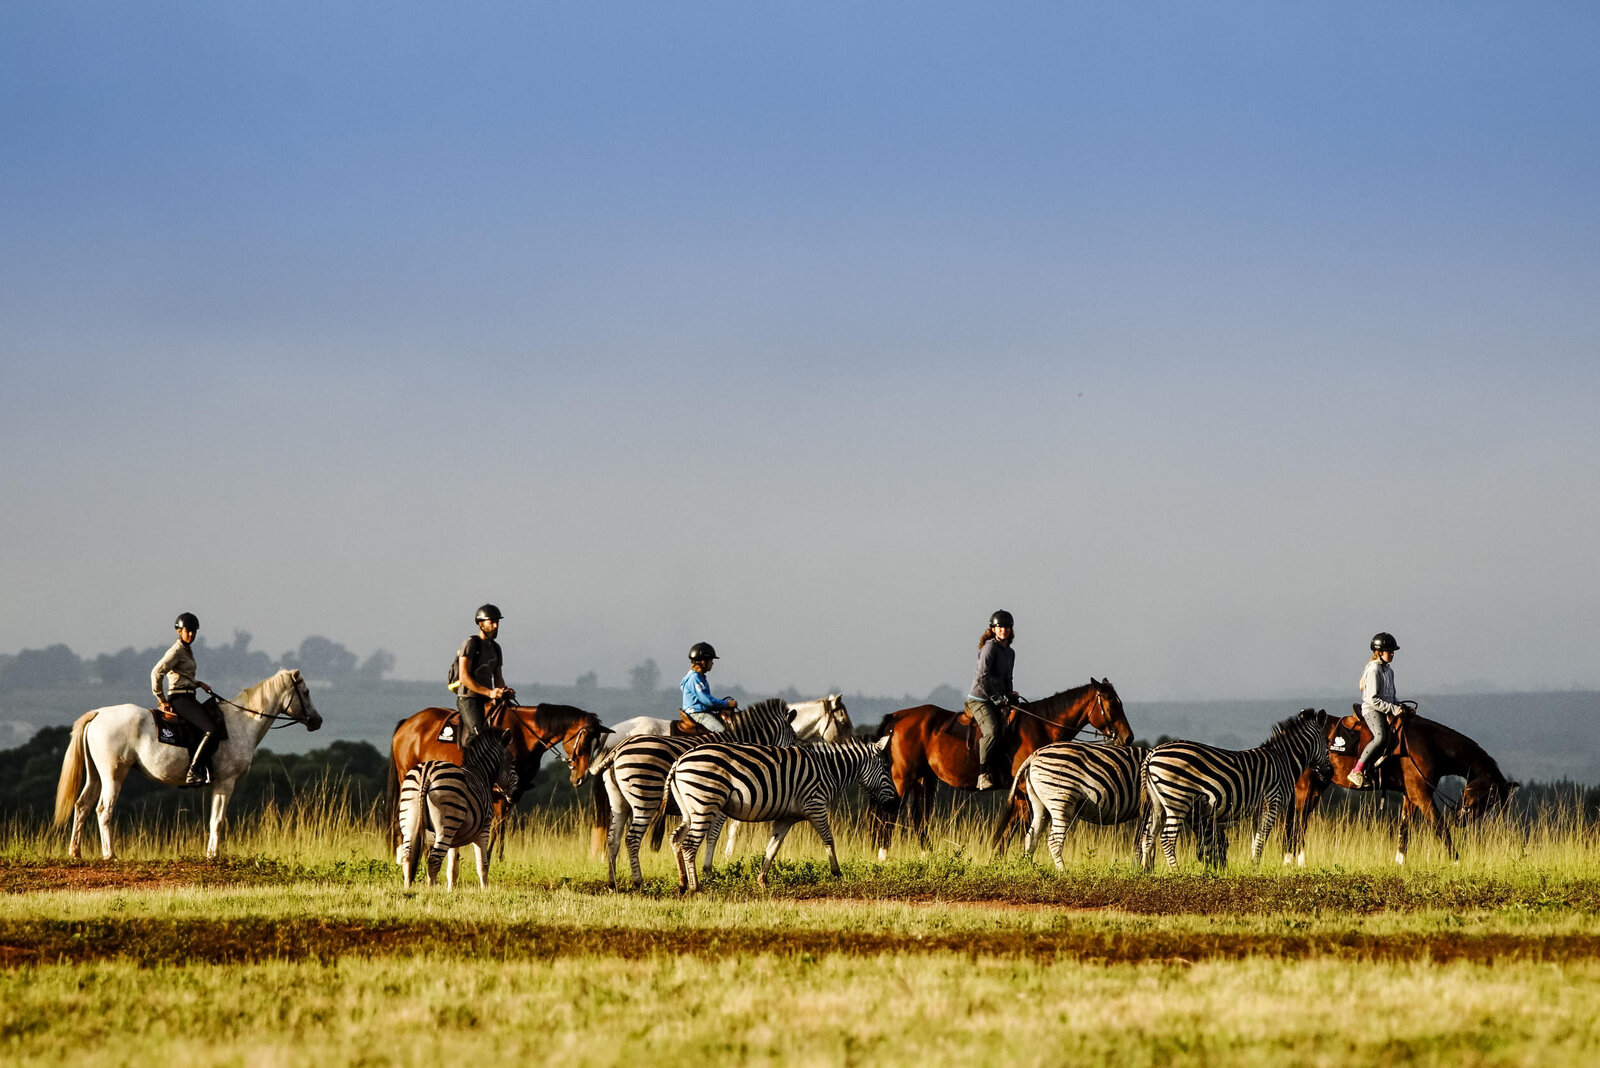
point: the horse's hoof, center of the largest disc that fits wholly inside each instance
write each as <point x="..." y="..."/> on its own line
<point x="1288" y="859"/>
<point x="883" y="855"/>
<point x="1399" y="858"/>
<point x="1300" y="859"/>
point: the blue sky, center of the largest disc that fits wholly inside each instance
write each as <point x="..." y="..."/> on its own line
<point x="1207" y="341"/>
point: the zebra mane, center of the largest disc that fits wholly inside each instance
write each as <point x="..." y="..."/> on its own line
<point x="752" y="718"/>
<point x="1289" y="728"/>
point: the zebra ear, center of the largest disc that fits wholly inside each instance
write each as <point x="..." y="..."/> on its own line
<point x="792" y="713"/>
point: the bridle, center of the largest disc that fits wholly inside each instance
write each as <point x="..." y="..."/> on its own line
<point x="282" y="717"/>
<point x="1099" y="734"/>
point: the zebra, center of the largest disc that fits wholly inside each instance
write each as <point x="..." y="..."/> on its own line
<point x="1069" y="781"/>
<point x="634" y="776"/>
<point x="1191" y="782"/>
<point x="455" y="802"/>
<point x="768" y="783"/>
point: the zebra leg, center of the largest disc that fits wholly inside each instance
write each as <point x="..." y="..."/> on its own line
<point x="817" y="813"/>
<point x="713" y="828"/>
<point x="452" y="868"/>
<point x="1264" y="824"/>
<point x="637" y="825"/>
<point x="685" y="845"/>
<point x="619" y="818"/>
<point x="436" y="853"/>
<point x="780" y="829"/>
<point x="733" y="836"/>
<point x="483" y="848"/>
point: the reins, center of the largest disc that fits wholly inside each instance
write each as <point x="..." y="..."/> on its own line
<point x="288" y="718"/>
<point x="1086" y="725"/>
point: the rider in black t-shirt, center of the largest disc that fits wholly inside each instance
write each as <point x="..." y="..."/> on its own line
<point x="480" y="675"/>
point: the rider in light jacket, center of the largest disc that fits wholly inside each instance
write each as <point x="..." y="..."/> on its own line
<point x="177" y="670"/>
<point x="698" y="704"/>
<point x="1377" y="701"/>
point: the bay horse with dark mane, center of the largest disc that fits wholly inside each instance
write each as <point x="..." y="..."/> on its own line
<point x="1428" y="751"/>
<point x="534" y="730"/>
<point x="928" y="743"/>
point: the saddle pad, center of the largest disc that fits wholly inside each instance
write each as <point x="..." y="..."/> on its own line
<point x="174" y="730"/>
<point x="448" y="731"/>
<point x="1346" y="740"/>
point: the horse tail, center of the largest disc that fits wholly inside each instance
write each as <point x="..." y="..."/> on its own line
<point x="74" y="770"/>
<point x="393" y="792"/>
<point x="887" y="726"/>
<point x="1019" y="808"/>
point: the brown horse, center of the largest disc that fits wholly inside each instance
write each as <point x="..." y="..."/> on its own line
<point x="924" y="747"/>
<point x="534" y="730"/>
<point x="1428" y="751"/>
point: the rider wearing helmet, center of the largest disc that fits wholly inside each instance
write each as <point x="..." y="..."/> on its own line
<point x="992" y="692"/>
<point x="479" y="674"/>
<point x="698" y="704"/>
<point x="1377" y="701"/>
<point x="177" y="668"/>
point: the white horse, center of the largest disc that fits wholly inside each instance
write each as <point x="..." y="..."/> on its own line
<point x="824" y="720"/>
<point x="108" y="742"/>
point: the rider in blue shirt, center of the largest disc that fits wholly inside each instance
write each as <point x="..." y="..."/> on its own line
<point x="698" y="704"/>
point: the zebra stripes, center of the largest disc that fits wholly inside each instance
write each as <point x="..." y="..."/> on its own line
<point x="455" y="802"/>
<point x="761" y="783"/>
<point x="1186" y="781"/>
<point x="1069" y="781"/>
<point x="635" y="775"/>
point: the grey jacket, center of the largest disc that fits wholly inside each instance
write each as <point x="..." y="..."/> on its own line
<point x="178" y="667"/>
<point x="1377" y="689"/>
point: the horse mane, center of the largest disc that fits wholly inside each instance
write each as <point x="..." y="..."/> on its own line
<point x="562" y="717"/>
<point x="249" y="697"/>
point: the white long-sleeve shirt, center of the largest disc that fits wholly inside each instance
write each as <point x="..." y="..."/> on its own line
<point x="1377" y="688"/>
<point x="178" y="667"/>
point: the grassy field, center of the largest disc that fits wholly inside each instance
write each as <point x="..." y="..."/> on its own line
<point x="301" y="948"/>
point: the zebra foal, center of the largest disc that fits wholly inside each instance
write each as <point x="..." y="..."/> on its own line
<point x="634" y="776"/>
<point x="456" y="803"/>
<point x="1069" y="781"/>
<point x="766" y="783"/>
<point x="1191" y="782"/>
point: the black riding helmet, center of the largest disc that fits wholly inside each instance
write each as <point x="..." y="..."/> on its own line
<point x="1002" y="618"/>
<point x="488" y="612"/>
<point x="701" y="651"/>
<point x="186" y="621"/>
<point x="1383" y="642"/>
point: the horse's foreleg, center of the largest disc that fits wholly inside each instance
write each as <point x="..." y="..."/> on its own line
<point x="1308" y="793"/>
<point x="220" y="793"/>
<point x="1402" y="838"/>
<point x="1422" y="797"/>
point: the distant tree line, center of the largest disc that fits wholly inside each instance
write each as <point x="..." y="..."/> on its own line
<point x="317" y="658"/>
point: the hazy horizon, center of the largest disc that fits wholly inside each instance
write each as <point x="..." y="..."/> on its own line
<point x="1208" y="342"/>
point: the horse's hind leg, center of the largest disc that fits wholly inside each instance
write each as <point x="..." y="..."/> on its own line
<point x="110" y="789"/>
<point x="81" y="809"/>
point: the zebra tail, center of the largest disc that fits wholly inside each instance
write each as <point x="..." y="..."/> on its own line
<point x="1019" y="809"/>
<point x="658" y="819"/>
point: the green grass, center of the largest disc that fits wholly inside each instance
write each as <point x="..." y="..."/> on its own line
<point x="300" y="947"/>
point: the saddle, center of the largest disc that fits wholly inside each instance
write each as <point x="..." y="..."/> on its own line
<point x="450" y="729"/>
<point x="1352" y="735"/>
<point x="964" y="729"/>
<point x="684" y="725"/>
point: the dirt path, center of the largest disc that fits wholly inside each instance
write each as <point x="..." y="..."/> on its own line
<point x="156" y="942"/>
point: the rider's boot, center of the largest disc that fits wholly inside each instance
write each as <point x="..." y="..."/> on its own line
<point x="1357" y="779"/>
<point x="984" y="781"/>
<point x="196" y="776"/>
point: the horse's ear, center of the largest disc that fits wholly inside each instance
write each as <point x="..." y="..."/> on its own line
<point x="882" y="743"/>
<point x="606" y="730"/>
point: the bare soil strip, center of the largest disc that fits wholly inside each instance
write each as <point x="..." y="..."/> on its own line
<point x="152" y="942"/>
